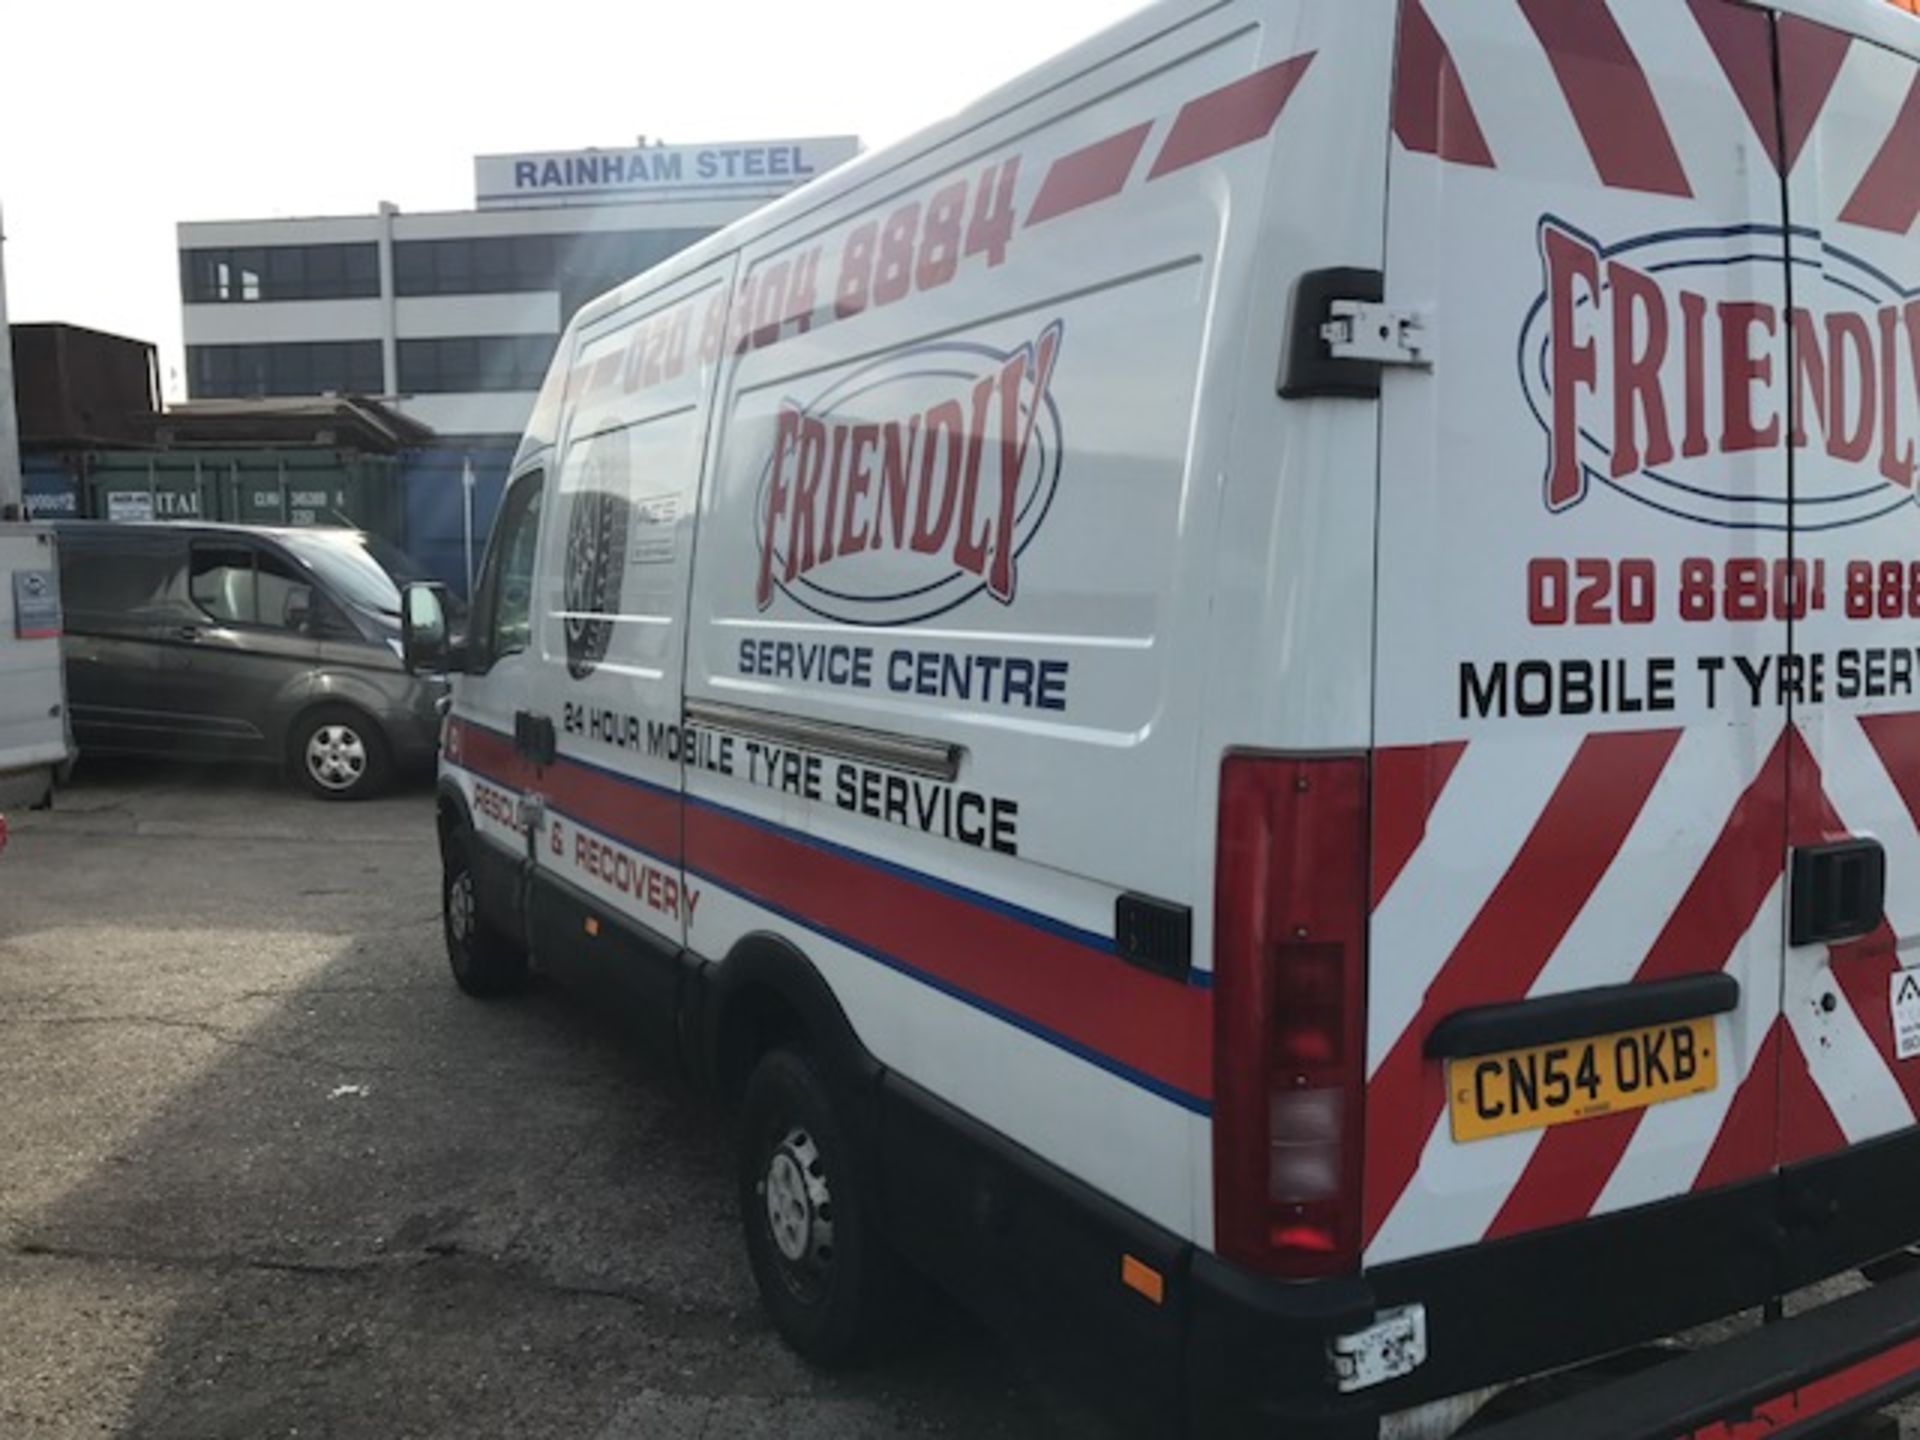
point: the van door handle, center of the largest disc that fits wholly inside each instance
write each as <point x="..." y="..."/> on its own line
<point x="1837" y="891"/>
<point x="534" y="739"/>
<point x="188" y="633"/>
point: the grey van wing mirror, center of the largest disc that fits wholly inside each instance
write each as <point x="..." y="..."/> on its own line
<point x="427" y="645"/>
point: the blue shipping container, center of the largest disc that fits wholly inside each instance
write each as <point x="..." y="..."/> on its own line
<point x="435" y="486"/>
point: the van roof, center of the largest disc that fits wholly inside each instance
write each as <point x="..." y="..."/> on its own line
<point x="1881" y="22"/>
<point x="876" y="165"/>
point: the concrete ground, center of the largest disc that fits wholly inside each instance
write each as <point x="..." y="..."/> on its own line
<point x="264" y="1172"/>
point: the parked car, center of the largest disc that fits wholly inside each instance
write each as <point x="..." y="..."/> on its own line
<point x="244" y="643"/>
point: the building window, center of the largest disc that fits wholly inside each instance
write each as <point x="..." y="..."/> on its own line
<point x="226" y="372"/>
<point x="280" y="272"/>
<point x="468" y="364"/>
<point x="584" y="265"/>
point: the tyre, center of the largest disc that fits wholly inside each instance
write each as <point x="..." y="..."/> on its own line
<point x="595" y="566"/>
<point x="826" y="1279"/>
<point x="339" y="754"/>
<point x="484" y="962"/>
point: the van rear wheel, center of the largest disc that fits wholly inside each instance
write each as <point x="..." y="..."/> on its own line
<point x="340" y="754"/>
<point x="826" y="1278"/>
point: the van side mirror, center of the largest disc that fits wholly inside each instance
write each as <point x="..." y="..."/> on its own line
<point x="426" y="645"/>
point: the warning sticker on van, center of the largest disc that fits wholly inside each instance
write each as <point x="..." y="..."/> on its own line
<point x="1905" y="985"/>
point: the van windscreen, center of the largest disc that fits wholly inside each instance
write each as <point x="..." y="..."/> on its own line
<point x="349" y="571"/>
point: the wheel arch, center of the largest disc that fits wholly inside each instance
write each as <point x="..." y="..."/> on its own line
<point x="765" y="993"/>
<point x="452" y="815"/>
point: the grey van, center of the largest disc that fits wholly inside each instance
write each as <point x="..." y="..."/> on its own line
<point x="245" y="643"/>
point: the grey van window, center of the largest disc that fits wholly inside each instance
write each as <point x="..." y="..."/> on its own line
<point x="221" y="582"/>
<point x="244" y="586"/>
<point x="283" y="596"/>
<point x="105" y="581"/>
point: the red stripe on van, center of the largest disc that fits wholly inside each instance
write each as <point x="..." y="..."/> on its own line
<point x="1806" y="1126"/>
<point x="1750" y="1132"/>
<point x="1896" y="740"/>
<point x="1889" y="194"/>
<point x="1431" y="112"/>
<point x="1612" y="103"/>
<point x="621" y="809"/>
<point x="1155" y="1027"/>
<point x="486" y="753"/>
<point x="1087" y="176"/>
<point x="1571" y="847"/>
<point x="1407" y="783"/>
<point x="1572" y="1163"/>
<point x="1150" y="1029"/>
<point x="1810" y="59"/>
<point x="1742" y="40"/>
<point x="1232" y="116"/>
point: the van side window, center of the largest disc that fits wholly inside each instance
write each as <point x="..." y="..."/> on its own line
<point x="243" y="586"/>
<point x="221" y="582"/>
<point x="115" y="582"/>
<point x="283" y="595"/>
<point x="504" y="602"/>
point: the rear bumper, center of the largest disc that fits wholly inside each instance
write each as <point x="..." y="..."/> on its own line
<point x="1499" y="1312"/>
<point x="1800" y="1377"/>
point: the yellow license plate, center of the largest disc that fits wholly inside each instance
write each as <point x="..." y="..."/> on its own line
<point x="1579" y="1079"/>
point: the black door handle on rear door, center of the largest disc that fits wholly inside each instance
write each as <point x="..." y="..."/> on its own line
<point x="1838" y="891"/>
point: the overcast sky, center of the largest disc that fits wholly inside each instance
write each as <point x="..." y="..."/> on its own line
<point x="119" y="118"/>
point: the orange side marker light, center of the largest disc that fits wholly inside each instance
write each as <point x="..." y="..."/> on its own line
<point x="1139" y="1276"/>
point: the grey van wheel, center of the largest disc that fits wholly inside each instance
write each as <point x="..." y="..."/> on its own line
<point x="826" y="1277"/>
<point x="484" y="962"/>
<point x="340" y="754"/>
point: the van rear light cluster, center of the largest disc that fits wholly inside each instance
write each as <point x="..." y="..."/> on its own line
<point x="1290" y="930"/>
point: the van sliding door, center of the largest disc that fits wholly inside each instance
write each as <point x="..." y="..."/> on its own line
<point x="616" y="559"/>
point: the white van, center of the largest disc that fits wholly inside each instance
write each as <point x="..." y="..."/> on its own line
<point x="35" y="736"/>
<point x="1264" y="698"/>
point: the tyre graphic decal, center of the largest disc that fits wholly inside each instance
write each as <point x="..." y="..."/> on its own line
<point x="599" y="517"/>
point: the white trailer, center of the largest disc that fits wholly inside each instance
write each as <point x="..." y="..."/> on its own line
<point x="34" y="738"/>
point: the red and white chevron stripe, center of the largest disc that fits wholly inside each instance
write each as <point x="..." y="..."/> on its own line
<point x="1601" y="105"/>
<point x="1566" y="909"/>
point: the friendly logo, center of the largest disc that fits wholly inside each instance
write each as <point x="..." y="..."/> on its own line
<point x="1655" y="363"/>
<point x="913" y="484"/>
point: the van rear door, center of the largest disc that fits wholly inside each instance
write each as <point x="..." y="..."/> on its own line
<point x="1587" y="596"/>
<point x="1853" y="111"/>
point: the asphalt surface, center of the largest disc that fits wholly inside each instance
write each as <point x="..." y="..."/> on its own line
<point x="264" y="1172"/>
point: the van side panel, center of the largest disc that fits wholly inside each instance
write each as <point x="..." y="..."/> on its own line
<point x="961" y="523"/>
<point x="616" y="554"/>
